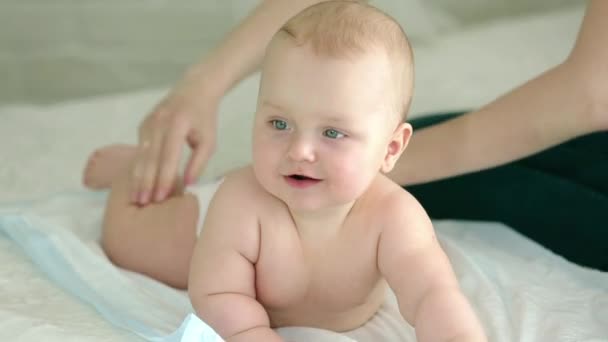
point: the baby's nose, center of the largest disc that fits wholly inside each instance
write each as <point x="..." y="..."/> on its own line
<point x="301" y="149"/>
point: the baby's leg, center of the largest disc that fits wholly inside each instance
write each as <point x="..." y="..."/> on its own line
<point x="105" y="164"/>
<point x="156" y="240"/>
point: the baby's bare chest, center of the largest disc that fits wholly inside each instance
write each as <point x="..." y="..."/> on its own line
<point x="334" y="274"/>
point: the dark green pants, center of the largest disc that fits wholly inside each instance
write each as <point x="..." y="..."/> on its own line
<point x="558" y="197"/>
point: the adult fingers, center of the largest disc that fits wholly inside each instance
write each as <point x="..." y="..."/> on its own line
<point x="151" y="160"/>
<point x="137" y="172"/>
<point x="202" y="148"/>
<point x="145" y="132"/>
<point x="170" y="157"/>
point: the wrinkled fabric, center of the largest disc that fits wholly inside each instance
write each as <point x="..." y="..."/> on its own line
<point x="521" y="291"/>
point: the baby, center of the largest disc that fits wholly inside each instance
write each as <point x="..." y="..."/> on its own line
<point x="312" y="233"/>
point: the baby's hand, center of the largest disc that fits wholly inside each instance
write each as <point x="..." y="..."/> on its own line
<point x="186" y="115"/>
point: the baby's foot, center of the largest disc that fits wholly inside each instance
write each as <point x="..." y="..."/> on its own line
<point x="105" y="164"/>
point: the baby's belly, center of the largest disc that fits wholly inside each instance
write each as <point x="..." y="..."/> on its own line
<point x="318" y="318"/>
<point x="325" y="313"/>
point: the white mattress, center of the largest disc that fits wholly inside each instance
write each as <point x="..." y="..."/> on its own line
<point x="520" y="290"/>
<point x="44" y="149"/>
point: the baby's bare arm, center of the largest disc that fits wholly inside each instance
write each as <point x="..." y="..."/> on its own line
<point x="420" y="274"/>
<point x="222" y="273"/>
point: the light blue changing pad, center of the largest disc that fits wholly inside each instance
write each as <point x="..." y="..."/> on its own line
<point x="71" y="258"/>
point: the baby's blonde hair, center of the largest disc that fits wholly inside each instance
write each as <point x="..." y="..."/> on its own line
<point x="349" y="28"/>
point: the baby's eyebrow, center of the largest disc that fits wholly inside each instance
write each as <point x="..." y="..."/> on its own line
<point x="328" y="116"/>
<point x="334" y="117"/>
<point x="273" y="106"/>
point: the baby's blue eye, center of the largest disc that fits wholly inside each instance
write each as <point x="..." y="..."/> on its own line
<point x="333" y="134"/>
<point x="279" y="124"/>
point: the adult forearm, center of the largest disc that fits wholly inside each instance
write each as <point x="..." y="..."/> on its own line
<point x="545" y="111"/>
<point x="241" y="52"/>
<point x="567" y="101"/>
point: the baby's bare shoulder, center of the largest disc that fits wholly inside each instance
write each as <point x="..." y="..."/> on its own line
<point x="397" y="209"/>
<point x="240" y="190"/>
<point x="241" y="183"/>
<point x="232" y="218"/>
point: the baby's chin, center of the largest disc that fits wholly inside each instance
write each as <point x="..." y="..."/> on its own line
<point x="314" y="204"/>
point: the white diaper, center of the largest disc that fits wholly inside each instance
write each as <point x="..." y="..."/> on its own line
<point x="204" y="193"/>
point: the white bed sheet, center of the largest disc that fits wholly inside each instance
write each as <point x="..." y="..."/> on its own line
<point x="44" y="149"/>
<point x="521" y="291"/>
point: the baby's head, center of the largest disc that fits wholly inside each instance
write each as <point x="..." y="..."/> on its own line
<point x="335" y="89"/>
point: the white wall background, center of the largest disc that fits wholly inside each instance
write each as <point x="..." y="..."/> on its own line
<point x="52" y="50"/>
<point x="56" y="49"/>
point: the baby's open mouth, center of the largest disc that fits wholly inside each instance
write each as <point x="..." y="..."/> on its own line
<point x="300" y="177"/>
<point x="301" y="181"/>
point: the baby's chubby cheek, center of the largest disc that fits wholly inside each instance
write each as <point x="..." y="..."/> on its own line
<point x="349" y="179"/>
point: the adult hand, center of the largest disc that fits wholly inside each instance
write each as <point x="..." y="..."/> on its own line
<point x="188" y="114"/>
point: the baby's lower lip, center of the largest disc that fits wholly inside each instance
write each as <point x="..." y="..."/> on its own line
<point x="301" y="183"/>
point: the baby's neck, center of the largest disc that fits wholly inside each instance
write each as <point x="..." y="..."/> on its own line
<point x="321" y="223"/>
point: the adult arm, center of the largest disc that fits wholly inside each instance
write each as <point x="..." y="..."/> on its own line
<point x="188" y="114"/>
<point x="567" y="101"/>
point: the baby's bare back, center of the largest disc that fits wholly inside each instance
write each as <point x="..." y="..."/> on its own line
<point x="329" y="282"/>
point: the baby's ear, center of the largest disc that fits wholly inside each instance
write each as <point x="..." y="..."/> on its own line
<point x="399" y="140"/>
